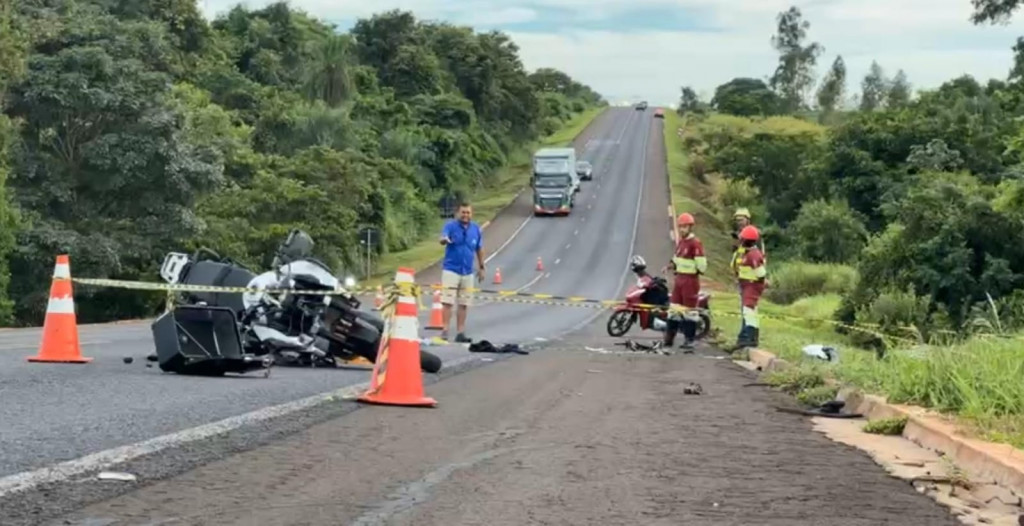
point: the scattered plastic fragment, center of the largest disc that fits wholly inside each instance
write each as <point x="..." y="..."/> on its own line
<point x="117" y="475"/>
<point x="822" y="352"/>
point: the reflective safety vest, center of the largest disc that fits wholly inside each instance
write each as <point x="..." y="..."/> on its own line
<point x="748" y="273"/>
<point x="737" y="258"/>
<point x="697" y="264"/>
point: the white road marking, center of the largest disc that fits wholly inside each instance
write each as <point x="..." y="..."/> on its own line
<point x="96" y="461"/>
<point x="557" y="261"/>
<point x="509" y="240"/>
<point x="568" y="245"/>
<point x="532" y="281"/>
<point x="632" y="241"/>
<point x="576" y="232"/>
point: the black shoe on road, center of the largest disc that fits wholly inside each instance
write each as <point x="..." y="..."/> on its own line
<point x="461" y="338"/>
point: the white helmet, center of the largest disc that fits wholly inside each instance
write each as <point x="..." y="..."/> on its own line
<point x="637" y="263"/>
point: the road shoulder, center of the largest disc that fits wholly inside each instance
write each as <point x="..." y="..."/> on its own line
<point x="562" y="436"/>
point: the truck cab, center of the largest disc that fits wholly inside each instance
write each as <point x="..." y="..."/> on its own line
<point x="555" y="181"/>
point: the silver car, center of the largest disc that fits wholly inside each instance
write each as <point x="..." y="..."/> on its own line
<point x="584" y="170"/>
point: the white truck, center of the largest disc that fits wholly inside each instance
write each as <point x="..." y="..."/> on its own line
<point x="555" y="181"/>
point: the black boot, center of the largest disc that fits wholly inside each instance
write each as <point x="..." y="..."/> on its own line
<point x="690" y="332"/>
<point x="744" y="340"/>
<point x="755" y="336"/>
<point x="671" y="328"/>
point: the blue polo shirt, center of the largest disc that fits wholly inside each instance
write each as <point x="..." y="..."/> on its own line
<point x="465" y="241"/>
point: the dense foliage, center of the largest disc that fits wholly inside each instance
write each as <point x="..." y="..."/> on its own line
<point x="132" y="128"/>
<point x="923" y="195"/>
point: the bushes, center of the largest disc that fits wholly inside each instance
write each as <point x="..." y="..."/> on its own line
<point x="827" y="232"/>
<point x="791" y="281"/>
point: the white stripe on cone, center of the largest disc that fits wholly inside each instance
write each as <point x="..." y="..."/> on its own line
<point x="65" y="305"/>
<point x="61" y="271"/>
<point x="405" y="329"/>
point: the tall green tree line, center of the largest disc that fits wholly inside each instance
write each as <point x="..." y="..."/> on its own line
<point x="134" y="128"/>
<point x="923" y="194"/>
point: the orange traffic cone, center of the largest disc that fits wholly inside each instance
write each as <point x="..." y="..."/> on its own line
<point x="397" y="379"/>
<point x="540" y="265"/>
<point x="379" y="299"/>
<point x="60" y="328"/>
<point x="436" y="310"/>
<point x="497" y="276"/>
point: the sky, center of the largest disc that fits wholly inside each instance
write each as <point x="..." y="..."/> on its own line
<point x="631" y="50"/>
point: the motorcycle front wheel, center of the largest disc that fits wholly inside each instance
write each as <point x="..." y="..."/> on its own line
<point x="620" y="322"/>
<point x="703" y="326"/>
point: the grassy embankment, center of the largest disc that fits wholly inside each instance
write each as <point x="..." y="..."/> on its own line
<point x="977" y="383"/>
<point x="487" y="202"/>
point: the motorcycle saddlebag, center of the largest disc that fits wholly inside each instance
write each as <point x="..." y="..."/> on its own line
<point x="204" y="341"/>
<point x="217" y="274"/>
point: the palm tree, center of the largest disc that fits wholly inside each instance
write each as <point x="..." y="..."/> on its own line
<point x="328" y="76"/>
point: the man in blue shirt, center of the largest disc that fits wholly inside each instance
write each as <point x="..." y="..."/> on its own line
<point x="463" y="239"/>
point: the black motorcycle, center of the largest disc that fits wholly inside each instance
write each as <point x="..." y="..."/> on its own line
<point x="296" y="329"/>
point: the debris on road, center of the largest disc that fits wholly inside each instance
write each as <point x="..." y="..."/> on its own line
<point x="117" y="475"/>
<point x="486" y="346"/>
<point x="654" y="348"/>
<point x="693" y="389"/>
<point x="831" y="409"/>
<point x="128" y="359"/>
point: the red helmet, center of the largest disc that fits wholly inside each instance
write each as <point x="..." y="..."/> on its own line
<point x="749" y="233"/>
<point x="685" y="219"/>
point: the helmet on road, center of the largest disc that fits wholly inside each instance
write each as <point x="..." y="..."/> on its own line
<point x="637" y="263"/>
<point x="749" y="233"/>
<point x="741" y="212"/>
<point x="685" y="219"/>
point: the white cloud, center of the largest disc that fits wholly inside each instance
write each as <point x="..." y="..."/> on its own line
<point x="932" y="40"/>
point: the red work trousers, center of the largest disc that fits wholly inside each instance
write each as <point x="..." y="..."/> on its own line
<point x="750" y="292"/>
<point x="685" y="290"/>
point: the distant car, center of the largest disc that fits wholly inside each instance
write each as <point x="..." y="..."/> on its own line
<point x="642" y="106"/>
<point x="659" y="113"/>
<point x="584" y="170"/>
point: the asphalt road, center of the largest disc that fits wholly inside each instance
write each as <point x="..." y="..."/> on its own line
<point x="55" y="412"/>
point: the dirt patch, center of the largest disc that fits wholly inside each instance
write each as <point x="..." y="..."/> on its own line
<point x="563" y="436"/>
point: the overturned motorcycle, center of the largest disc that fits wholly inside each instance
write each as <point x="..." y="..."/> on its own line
<point x="309" y="329"/>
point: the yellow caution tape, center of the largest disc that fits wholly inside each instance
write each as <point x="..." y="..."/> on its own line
<point x="395" y="290"/>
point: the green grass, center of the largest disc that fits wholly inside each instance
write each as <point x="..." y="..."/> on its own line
<point x="978" y="382"/>
<point x="886" y="426"/>
<point x="486" y="203"/>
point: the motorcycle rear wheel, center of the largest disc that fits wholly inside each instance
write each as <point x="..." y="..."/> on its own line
<point x="703" y="326"/>
<point x="620" y="322"/>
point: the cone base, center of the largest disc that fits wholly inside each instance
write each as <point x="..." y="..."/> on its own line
<point x="416" y="401"/>
<point x="434" y="327"/>
<point x="42" y="359"/>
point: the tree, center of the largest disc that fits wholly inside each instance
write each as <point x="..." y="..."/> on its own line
<point x="898" y="94"/>
<point x="873" y="88"/>
<point x="993" y="11"/>
<point x="746" y="97"/>
<point x="133" y="128"/>
<point x="689" y="102"/>
<point x="795" y="73"/>
<point x="329" y="78"/>
<point x="833" y="87"/>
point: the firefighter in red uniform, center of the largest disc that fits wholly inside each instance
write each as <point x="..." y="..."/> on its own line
<point x="751" y="272"/>
<point x="689" y="263"/>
